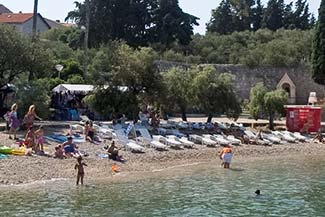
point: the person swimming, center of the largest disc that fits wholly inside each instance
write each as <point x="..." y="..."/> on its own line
<point x="257" y="192"/>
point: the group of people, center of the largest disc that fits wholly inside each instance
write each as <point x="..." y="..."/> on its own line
<point x="34" y="139"/>
<point x="67" y="149"/>
<point x="13" y="122"/>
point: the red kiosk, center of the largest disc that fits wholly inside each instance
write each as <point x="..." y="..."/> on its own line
<point x="303" y="118"/>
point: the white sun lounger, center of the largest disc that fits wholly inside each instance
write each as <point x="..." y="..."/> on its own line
<point x="196" y="139"/>
<point x="272" y="138"/>
<point x="233" y="140"/>
<point x="284" y="136"/>
<point x="186" y="143"/>
<point x="296" y="135"/>
<point x="220" y="139"/>
<point x="146" y="139"/>
<point x="300" y="137"/>
<point x="259" y="141"/>
<point x="250" y="134"/>
<point x="208" y="140"/>
<point x="169" y="142"/>
<point x="128" y="144"/>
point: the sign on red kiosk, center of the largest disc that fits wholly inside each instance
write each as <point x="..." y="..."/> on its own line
<point x="303" y="118"/>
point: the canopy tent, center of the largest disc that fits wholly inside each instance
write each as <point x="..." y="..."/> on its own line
<point x="74" y="88"/>
<point x="81" y="88"/>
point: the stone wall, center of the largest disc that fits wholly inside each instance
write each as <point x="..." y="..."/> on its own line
<point x="247" y="77"/>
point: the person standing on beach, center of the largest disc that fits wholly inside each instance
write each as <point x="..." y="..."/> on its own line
<point x="81" y="172"/>
<point x="13" y="121"/>
<point x="226" y="156"/>
<point x="30" y="117"/>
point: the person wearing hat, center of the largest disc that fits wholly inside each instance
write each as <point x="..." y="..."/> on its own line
<point x="70" y="149"/>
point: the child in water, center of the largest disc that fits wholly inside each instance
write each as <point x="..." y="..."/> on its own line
<point x="80" y="167"/>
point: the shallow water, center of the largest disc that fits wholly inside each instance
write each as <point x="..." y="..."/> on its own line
<point x="294" y="187"/>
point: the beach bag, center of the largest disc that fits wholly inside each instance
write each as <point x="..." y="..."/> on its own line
<point x="7" y="117"/>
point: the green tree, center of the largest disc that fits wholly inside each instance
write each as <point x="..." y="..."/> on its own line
<point x="257" y="15"/>
<point x="178" y="85"/>
<point x="32" y="93"/>
<point x="222" y="19"/>
<point x="274" y="102"/>
<point x="171" y="24"/>
<point x="273" y="18"/>
<point x="137" y="22"/>
<point x="214" y="93"/>
<point x="266" y="103"/>
<point x="318" y="58"/>
<point x="112" y="101"/>
<point x="256" y="100"/>
<point x="71" y="68"/>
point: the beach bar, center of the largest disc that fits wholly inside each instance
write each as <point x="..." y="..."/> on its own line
<point x="303" y="118"/>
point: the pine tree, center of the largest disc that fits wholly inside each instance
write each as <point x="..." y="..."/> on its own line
<point x="222" y="20"/>
<point x="273" y="18"/>
<point x="257" y="15"/>
<point x="318" y="57"/>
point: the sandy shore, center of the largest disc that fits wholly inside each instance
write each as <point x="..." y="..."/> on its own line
<point x="27" y="169"/>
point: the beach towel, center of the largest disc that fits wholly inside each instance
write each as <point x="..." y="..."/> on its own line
<point x="102" y="156"/>
<point x="3" y="156"/>
<point x="62" y="138"/>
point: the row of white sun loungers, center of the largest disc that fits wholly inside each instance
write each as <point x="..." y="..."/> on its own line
<point x="178" y="140"/>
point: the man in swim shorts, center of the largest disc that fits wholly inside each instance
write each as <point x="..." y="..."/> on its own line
<point x="70" y="148"/>
<point x="226" y="156"/>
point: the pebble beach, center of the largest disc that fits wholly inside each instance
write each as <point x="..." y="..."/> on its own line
<point x="17" y="170"/>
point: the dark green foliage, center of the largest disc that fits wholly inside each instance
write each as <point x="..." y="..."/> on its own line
<point x="263" y="47"/>
<point x="32" y="93"/>
<point x="137" y="22"/>
<point x="111" y="101"/>
<point x="264" y="103"/>
<point x="13" y="53"/>
<point x="214" y="93"/>
<point x="241" y="15"/>
<point x="222" y="19"/>
<point x="178" y="88"/>
<point x="70" y="69"/>
<point x="318" y="57"/>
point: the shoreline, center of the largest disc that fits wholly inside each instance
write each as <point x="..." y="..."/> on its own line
<point x="27" y="171"/>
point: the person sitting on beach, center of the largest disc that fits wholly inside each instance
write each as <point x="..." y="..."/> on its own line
<point x="226" y="156"/>
<point x="39" y="135"/>
<point x="70" y="149"/>
<point x="59" y="153"/>
<point x="319" y="138"/>
<point x="89" y="131"/>
<point x="30" y="139"/>
<point x="81" y="172"/>
<point x="112" y="152"/>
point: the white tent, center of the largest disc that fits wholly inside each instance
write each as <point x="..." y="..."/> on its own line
<point x="74" y="88"/>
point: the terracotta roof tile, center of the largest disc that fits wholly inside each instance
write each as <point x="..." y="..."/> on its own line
<point x="15" y="17"/>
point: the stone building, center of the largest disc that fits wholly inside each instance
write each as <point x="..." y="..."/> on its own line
<point x="297" y="81"/>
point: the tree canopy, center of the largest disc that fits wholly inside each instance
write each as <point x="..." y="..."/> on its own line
<point x="265" y="103"/>
<point x="236" y="15"/>
<point x="318" y="57"/>
<point x="138" y="22"/>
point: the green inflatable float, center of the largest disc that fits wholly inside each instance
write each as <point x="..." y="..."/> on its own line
<point x="5" y="150"/>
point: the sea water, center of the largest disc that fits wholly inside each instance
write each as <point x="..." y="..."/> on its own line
<point x="289" y="187"/>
